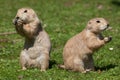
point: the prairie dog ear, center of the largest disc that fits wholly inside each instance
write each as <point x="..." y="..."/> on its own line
<point x="89" y="26"/>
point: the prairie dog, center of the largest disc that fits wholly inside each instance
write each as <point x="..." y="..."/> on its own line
<point x="37" y="42"/>
<point x="78" y="51"/>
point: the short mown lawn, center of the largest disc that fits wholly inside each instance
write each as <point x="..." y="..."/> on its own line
<point x="62" y="19"/>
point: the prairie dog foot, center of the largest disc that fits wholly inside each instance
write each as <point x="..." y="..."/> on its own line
<point x="87" y="70"/>
<point x="24" y="68"/>
<point x="43" y="70"/>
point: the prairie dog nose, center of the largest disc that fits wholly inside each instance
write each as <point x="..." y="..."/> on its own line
<point x="15" y="20"/>
<point x="17" y="17"/>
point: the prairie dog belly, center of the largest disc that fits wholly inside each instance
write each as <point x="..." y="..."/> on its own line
<point x="35" y="52"/>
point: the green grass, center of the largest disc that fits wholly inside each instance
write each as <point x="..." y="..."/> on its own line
<point x="62" y="19"/>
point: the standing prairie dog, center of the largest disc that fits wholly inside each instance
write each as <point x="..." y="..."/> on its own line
<point x="78" y="51"/>
<point x="37" y="43"/>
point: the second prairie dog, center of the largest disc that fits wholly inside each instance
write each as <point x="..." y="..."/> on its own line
<point x="37" y="42"/>
<point x="78" y="51"/>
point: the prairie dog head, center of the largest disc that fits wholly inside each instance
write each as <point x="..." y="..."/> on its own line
<point x="27" y="23"/>
<point x="97" y="25"/>
<point x="25" y="16"/>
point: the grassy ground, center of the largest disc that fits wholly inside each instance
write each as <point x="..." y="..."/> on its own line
<point x="62" y="19"/>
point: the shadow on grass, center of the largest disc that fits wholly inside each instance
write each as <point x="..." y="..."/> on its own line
<point x="105" y="67"/>
<point x="52" y="62"/>
<point x="116" y="2"/>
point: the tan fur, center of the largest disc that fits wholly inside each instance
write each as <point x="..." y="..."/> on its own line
<point x="78" y="51"/>
<point x="37" y="43"/>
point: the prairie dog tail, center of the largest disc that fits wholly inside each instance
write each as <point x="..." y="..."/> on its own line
<point x="62" y="66"/>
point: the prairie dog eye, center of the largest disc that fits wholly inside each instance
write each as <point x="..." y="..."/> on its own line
<point x="25" y="11"/>
<point x="98" y="21"/>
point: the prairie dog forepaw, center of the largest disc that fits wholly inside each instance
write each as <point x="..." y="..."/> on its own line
<point x="108" y="39"/>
